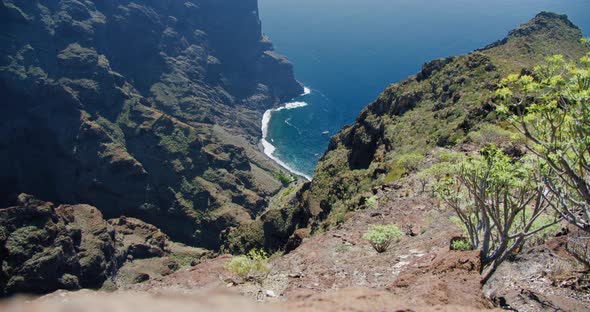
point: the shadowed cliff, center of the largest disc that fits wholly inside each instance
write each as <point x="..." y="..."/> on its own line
<point x="148" y="109"/>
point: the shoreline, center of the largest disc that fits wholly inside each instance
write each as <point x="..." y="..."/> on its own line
<point x="267" y="147"/>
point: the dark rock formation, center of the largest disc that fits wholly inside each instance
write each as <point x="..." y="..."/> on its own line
<point x="44" y="248"/>
<point x="146" y="109"/>
<point x="139" y="240"/>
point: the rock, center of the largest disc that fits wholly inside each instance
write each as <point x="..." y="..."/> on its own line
<point x="141" y="277"/>
<point x="139" y="240"/>
<point x="296" y="239"/>
<point x="433" y="66"/>
<point x="270" y="293"/>
<point x="47" y="248"/>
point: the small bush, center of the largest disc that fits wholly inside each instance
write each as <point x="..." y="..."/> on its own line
<point x="410" y="162"/>
<point x="491" y="134"/>
<point x="250" y="267"/>
<point x="394" y="174"/>
<point x="285" y="179"/>
<point x="372" y="202"/>
<point x="381" y="236"/>
<point x="460" y="244"/>
<point x="342" y="248"/>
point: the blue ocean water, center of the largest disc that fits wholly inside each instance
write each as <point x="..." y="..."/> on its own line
<point x="348" y="51"/>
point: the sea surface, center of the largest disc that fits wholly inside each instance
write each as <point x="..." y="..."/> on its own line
<point x="347" y="51"/>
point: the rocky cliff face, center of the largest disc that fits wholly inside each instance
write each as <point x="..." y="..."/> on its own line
<point x="44" y="248"/>
<point x="148" y="109"/>
<point x="448" y="106"/>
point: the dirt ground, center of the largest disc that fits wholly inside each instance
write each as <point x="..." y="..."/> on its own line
<point x="339" y="271"/>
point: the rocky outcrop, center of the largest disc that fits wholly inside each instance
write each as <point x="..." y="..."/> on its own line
<point x="139" y="240"/>
<point x="145" y="252"/>
<point x="145" y="109"/>
<point x="44" y="248"/>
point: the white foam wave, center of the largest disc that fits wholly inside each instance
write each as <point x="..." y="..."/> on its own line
<point x="268" y="148"/>
<point x="293" y="105"/>
<point x="306" y="90"/>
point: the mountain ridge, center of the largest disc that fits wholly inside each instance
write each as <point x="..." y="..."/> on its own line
<point x="148" y="110"/>
<point x="443" y="106"/>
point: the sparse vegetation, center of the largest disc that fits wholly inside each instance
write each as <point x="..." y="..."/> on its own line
<point x="492" y="134"/>
<point x="444" y="160"/>
<point x="381" y="236"/>
<point x="342" y="248"/>
<point x="499" y="201"/>
<point x="372" y="202"/>
<point x="394" y="174"/>
<point x="250" y="267"/>
<point x="460" y="244"/>
<point x="284" y="178"/>
<point x="410" y="162"/>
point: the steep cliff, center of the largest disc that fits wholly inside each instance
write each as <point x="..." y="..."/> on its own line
<point x="447" y="107"/>
<point x="148" y="109"/>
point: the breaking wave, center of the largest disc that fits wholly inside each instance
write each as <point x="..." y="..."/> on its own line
<point x="268" y="148"/>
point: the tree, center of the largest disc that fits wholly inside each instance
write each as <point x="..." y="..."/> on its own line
<point x="552" y="109"/>
<point x="500" y="203"/>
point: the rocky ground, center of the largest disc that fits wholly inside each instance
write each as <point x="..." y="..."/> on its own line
<point x="337" y="270"/>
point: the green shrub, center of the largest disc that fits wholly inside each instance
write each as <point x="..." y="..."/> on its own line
<point x="285" y="179"/>
<point x="395" y="174"/>
<point x="551" y="108"/>
<point x="251" y="267"/>
<point x="342" y="248"/>
<point x="411" y="161"/>
<point x="460" y="244"/>
<point x="491" y="134"/>
<point x="372" y="202"/>
<point x="381" y="236"/>
<point x="500" y="202"/>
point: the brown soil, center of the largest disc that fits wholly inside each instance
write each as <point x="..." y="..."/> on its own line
<point x="338" y="271"/>
<point x="545" y="277"/>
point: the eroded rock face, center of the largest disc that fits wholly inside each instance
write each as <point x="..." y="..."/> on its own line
<point x="139" y="240"/>
<point x="147" y="109"/>
<point x="44" y="248"/>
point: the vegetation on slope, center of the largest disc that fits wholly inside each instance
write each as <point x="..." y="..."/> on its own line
<point x="418" y="127"/>
<point x="449" y="104"/>
<point x="165" y="131"/>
